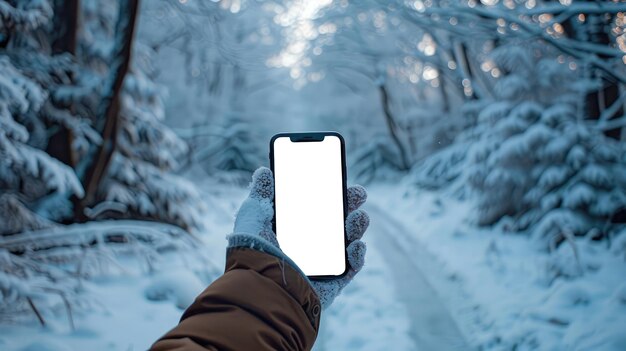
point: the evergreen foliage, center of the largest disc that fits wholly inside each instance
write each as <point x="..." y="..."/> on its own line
<point x="375" y="161"/>
<point x="230" y="153"/>
<point x="51" y="120"/>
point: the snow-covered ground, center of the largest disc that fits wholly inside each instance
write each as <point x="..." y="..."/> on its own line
<point x="431" y="281"/>
<point x="504" y="293"/>
<point x="126" y="316"/>
<point x="124" y="319"/>
<point x="132" y="308"/>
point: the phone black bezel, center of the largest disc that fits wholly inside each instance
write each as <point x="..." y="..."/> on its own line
<point x="312" y="137"/>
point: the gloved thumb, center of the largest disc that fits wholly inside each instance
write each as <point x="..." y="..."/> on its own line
<point x="256" y="213"/>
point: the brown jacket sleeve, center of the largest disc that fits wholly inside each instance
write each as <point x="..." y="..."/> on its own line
<point x="260" y="303"/>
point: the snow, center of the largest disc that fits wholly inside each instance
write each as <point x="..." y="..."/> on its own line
<point x="366" y="316"/>
<point x="500" y="237"/>
<point x="503" y="292"/>
<point x="179" y="287"/>
<point x="122" y="320"/>
<point x="137" y="308"/>
<point x="131" y="304"/>
<point x="27" y="16"/>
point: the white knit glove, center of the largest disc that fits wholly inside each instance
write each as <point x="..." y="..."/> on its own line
<point x="255" y="219"/>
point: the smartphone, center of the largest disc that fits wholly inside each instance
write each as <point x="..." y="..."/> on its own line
<point x="310" y="205"/>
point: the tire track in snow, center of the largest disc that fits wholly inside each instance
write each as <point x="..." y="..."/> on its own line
<point x="432" y="326"/>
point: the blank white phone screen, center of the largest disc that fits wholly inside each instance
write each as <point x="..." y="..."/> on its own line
<point x="309" y="204"/>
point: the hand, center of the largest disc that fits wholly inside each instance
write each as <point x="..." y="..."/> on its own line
<point x="257" y="211"/>
<point x="356" y="224"/>
<point x="255" y="219"/>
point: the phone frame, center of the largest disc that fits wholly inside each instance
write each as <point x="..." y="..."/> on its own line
<point x="313" y="137"/>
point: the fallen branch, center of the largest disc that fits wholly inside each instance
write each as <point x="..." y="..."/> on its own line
<point x="36" y="311"/>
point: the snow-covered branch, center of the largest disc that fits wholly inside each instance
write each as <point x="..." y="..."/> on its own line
<point x="575" y="8"/>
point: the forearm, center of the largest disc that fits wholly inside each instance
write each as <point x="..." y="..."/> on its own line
<point x="259" y="303"/>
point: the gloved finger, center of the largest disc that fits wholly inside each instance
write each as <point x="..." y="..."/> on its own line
<point x="356" y="224"/>
<point x="356" y="197"/>
<point x="257" y="211"/>
<point x="356" y="255"/>
<point x="328" y="290"/>
<point x="253" y="215"/>
<point x="262" y="184"/>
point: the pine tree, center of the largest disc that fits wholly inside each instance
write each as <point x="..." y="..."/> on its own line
<point x="31" y="80"/>
<point x="536" y="164"/>
<point x="81" y="139"/>
<point x="376" y="161"/>
<point x="140" y="176"/>
<point x="229" y="153"/>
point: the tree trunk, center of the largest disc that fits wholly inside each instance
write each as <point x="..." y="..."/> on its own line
<point x="97" y="161"/>
<point x="67" y="14"/>
<point x="463" y="64"/>
<point x="65" y="27"/>
<point x="596" y="28"/>
<point x="600" y="100"/>
<point x="445" y="100"/>
<point x="60" y="146"/>
<point x="393" y="127"/>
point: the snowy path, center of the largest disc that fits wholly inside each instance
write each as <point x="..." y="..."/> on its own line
<point x="431" y="326"/>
